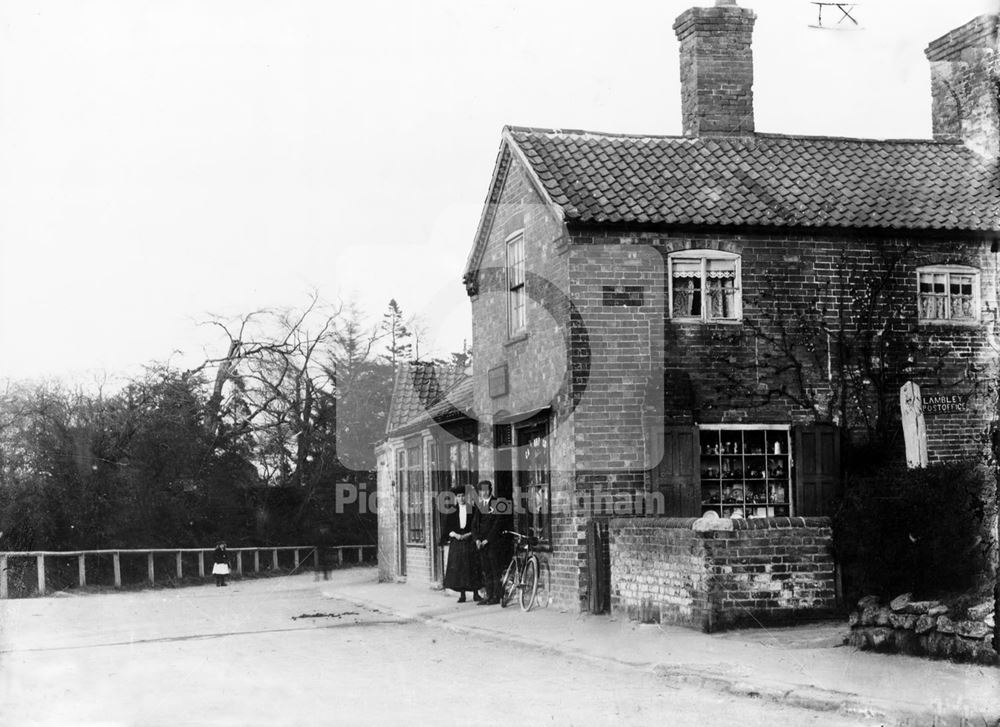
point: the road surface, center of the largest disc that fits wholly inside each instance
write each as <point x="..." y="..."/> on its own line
<point x="277" y="652"/>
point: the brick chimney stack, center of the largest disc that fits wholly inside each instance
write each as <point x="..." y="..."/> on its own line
<point x="965" y="85"/>
<point x="716" y="69"/>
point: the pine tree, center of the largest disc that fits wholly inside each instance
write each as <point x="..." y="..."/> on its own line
<point x="398" y="346"/>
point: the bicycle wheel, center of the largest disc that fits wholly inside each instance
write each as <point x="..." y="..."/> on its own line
<point x="529" y="583"/>
<point x="508" y="585"/>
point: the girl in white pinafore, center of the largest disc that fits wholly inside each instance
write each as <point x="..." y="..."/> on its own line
<point x="220" y="569"/>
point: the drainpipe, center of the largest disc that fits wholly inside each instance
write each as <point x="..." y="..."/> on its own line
<point x="995" y="249"/>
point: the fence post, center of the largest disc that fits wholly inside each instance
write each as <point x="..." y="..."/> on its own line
<point x="40" y="565"/>
<point x="340" y="555"/>
<point x="180" y="566"/>
<point x="361" y="554"/>
<point x="149" y="567"/>
<point x="239" y="562"/>
<point x="201" y="563"/>
<point x="256" y="561"/>
<point x="81" y="567"/>
<point x="274" y="559"/>
<point x="118" y="569"/>
<point x="296" y="557"/>
<point x="3" y="576"/>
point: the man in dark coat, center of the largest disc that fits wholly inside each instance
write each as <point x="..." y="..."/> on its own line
<point x="488" y="532"/>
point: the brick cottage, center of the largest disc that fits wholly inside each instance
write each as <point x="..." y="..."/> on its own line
<point x="674" y="335"/>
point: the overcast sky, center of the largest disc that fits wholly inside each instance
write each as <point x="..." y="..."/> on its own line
<point x="160" y="160"/>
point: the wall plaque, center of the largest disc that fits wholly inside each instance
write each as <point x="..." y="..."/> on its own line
<point x="497" y="377"/>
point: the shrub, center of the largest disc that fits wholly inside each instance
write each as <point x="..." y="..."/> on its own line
<point x="920" y="530"/>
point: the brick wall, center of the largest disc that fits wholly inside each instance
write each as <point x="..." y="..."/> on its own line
<point x="980" y="32"/>
<point x="758" y="372"/>
<point x="537" y="362"/>
<point x="418" y="565"/>
<point x="764" y="571"/>
<point x="602" y="299"/>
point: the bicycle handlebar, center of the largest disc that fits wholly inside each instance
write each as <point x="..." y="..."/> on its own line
<point x="523" y="541"/>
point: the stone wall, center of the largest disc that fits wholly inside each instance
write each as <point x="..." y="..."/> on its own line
<point x="924" y="628"/>
<point x="720" y="573"/>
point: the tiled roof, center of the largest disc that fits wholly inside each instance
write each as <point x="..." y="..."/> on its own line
<point x="763" y="180"/>
<point x="424" y="392"/>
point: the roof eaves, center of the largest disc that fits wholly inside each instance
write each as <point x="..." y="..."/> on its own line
<point x="488" y="214"/>
<point x="533" y="175"/>
<point x="509" y="149"/>
<point x="982" y="232"/>
<point x="394" y="399"/>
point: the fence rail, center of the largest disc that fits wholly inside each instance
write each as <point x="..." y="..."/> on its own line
<point x="81" y="556"/>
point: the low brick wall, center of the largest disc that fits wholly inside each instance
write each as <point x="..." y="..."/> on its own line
<point x="722" y="573"/>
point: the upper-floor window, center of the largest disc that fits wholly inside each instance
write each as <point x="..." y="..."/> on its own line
<point x="705" y="286"/>
<point x="948" y="293"/>
<point x="516" y="294"/>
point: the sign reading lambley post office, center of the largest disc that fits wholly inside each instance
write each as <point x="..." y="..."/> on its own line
<point x="944" y="403"/>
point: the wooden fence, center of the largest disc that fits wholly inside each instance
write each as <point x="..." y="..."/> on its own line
<point x="81" y="556"/>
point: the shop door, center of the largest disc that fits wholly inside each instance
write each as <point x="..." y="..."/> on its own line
<point x="676" y="475"/>
<point x="817" y="469"/>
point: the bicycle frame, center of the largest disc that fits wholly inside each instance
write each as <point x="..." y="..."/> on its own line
<point x="521" y="574"/>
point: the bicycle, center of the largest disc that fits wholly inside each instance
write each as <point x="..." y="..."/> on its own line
<point x="521" y="574"/>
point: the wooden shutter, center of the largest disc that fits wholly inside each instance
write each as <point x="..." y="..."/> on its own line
<point x="677" y="474"/>
<point x="817" y="469"/>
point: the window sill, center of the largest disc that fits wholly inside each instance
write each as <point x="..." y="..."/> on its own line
<point x="515" y="339"/>
<point x="925" y="323"/>
<point x="700" y="322"/>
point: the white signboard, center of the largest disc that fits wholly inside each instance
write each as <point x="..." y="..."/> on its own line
<point x="914" y="431"/>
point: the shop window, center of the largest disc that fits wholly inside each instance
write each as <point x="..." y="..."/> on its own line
<point x="516" y="293"/>
<point x="503" y="448"/>
<point x="746" y="472"/>
<point x="461" y="459"/>
<point x="948" y="294"/>
<point x="534" y="480"/>
<point x="415" y="509"/>
<point x="704" y="286"/>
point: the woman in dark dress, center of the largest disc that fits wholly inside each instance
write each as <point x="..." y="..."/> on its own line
<point x="462" y="573"/>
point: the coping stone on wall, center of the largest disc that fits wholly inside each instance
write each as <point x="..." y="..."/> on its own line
<point x="705" y="524"/>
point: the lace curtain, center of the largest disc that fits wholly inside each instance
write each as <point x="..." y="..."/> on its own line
<point x="946" y="296"/>
<point x="713" y="279"/>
